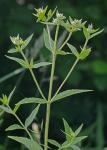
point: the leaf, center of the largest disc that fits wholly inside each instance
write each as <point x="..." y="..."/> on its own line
<point x="31" y="145"/>
<point x="41" y="64"/>
<point x="97" y="33"/>
<point x="49" y="43"/>
<point x="78" y="130"/>
<point x="78" y="139"/>
<point x="68" y="93"/>
<point x="86" y="33"/>
<point x="27" y="41"/>
<point x="61" y="52"/>
<point x="31" y="117"/>
<point x="13" y="50"/>
<point x="6" y="109"/>
<point x="14" y="127"/>
<point x="32" y="100"/>
<point x="16" y="108"/>
<point x="68" y="131"/>
<point x="74" y="147"/>
<point x="11" y="94"/>
<point x="73" y="50"/>
<point x="18" y="60"/>
<point x="53" y="142"/>
<point x="84" y="53"/>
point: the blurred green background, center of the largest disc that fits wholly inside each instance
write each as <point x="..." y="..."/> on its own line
<point x="89" y="108"/>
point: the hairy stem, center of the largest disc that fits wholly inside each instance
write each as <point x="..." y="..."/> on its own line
<point x="50" y="92"/>
<point x="33" y="76"/>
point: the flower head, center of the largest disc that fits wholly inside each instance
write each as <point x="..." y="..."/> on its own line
<point x="17" y="40"/>
<point x="60" y="16"/>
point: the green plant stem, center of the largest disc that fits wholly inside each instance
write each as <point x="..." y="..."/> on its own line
<point x="50" y="92"/>
<point x="65" y="42"/>
<point x="49" y="35"/>
<point x="21" y="123"/>
<point x="69" y="73"/>
<point x="33" y="76"/>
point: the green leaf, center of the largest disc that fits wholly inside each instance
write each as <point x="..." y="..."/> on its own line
<point x="31" y="117"/>
<point x="16" y="108"/>
<point x="49" y="43"/>
<point x="61" y="52"/>
<point x="13" y="50"/>
<point x="74" y="147"/>
<point x="31" y="145"/>
<point x="73" y="50"/>
<point x="97" y="33"/>
<point x="78" y="139"/>
<point x="32" y="100"/>
<point x="68" y="93"/>
<point x="27" y="41"/>
<point x="78" y="130"/>
<point x="53" y="142"/>
<point x="84" y="53"/>
<point x="11" y="94"/>
<point x="18" y="60"/>
<point x="6" y="109"/>
<point x="68" y="131"/>
<point x="41" y="64"/>
<point x="14" y="127"/>
<point x="86" y="33"/>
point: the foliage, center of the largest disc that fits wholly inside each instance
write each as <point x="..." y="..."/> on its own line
<point x="94" y="68"/>
<point x="46" y="17"/>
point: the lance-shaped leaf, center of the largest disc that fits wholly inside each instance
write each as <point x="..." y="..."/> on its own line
<point x="18" y="60"/>
<point x="6" y="109"/>
<point x="14" y="127"/>
<point x="68" y="131"/>
<point x="31" y="145"/>
<point x="11" y="94"/>
<point x="53" y="142"/>
<point x="31" y="117"/>
<point x="13" y="50"/>
<point x="78" y="139"/>
<point x="74" y="147"/>
<point x="84" y="53"/>
<point x="32" y="100"/>
<point x="61" y="52"/>
<point x="41" y="64"/>
<point x="73" y="50"/>
<point x="96" y="33"/>
<point x="78" y="130"/>
<point x="86" y="33"/>
<point x="27" y="41"/>
<point x="49" y="43"/>
<point x="68" y="93"/>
